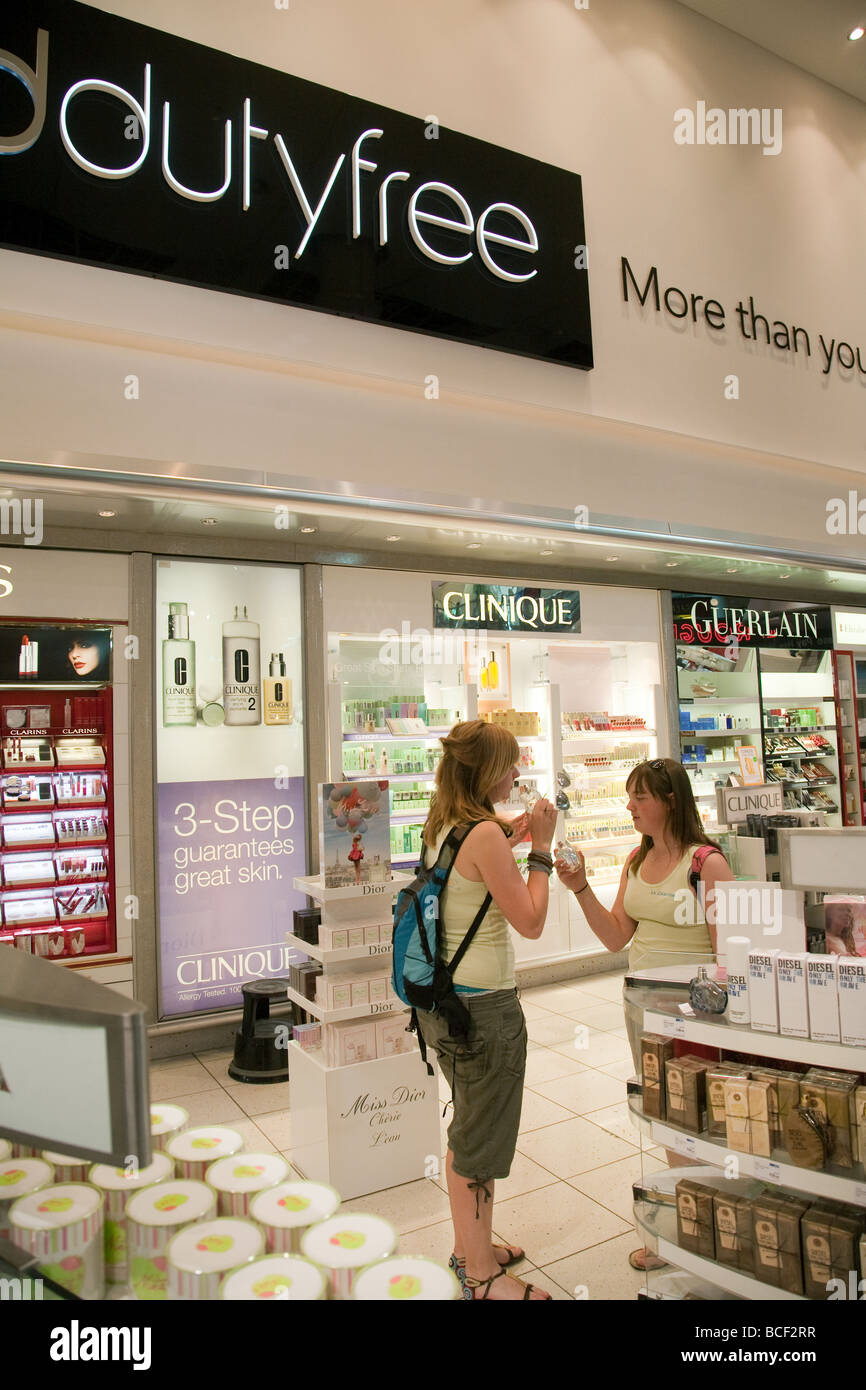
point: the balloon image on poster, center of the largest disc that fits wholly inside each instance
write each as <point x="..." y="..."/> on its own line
<point x="355" y="837"/>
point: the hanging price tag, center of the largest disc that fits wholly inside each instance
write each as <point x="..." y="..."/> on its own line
<point x="768" y="1171"/>
<point x="685" y="1145"/>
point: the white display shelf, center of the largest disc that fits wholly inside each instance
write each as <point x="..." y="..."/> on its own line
<point x="405" y="858"/>
<point x="309" y="948"/>
<point x="620" y="771"/>
<point x="711" y="762"/>
<point x="733" y="1039"/>
<point x="432" y="736"/>
<point x="607" y="803"/>
<point x="607" y="735"/>
<point x="722" y="1276"/>
<point x="310" y="1006"/>
<point x="316" y="1055"/>
<point x="717" y="733"/>
<point x="612" y="840"/>
<point x="313" y="886"/>
<point x="410" y="817"/>
<point x="776" y="1172"/>
<point x="723" y="700"/>
<point x="388" y="776"/>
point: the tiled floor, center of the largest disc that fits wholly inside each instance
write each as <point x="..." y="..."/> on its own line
<point x="567" y="1200"/>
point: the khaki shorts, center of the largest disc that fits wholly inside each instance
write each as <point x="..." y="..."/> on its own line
<point x="485" y="1071"/>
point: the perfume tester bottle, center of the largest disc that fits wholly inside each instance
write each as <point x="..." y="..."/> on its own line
<point x="178" y="670"/>
<point x="242" y="689"/>
<point x="278" y="692"/>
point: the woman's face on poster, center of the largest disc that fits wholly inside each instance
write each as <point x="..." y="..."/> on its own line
<point x="83" y="656"/>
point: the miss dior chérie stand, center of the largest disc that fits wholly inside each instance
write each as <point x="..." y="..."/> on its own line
<point x="368" y="1125"/>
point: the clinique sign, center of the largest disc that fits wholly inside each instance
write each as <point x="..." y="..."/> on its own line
<point x="127" y="147"/>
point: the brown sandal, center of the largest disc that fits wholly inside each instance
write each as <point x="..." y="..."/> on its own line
<point x="470" y="1285"/>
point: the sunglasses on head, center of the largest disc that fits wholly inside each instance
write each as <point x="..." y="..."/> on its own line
<point x="659" y="765"/>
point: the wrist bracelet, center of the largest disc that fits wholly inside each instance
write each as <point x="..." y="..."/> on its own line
<point x="578" y="891"/>
<point x="541" y="855"/>
<point x="540" y="869"/>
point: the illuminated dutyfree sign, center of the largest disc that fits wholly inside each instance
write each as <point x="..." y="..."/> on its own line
<point x="125" y="147"/>
<point x="712" y="620"/>
<point x="850" y="629"/>
<point x="504" y="608"/>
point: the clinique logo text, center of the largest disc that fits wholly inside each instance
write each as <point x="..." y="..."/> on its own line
<point x="432" y="204"/>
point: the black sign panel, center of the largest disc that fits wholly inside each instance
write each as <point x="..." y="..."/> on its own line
<point x="712" y="620"/>
<point x="505" y="608"/>
<point x="128" y="148"/>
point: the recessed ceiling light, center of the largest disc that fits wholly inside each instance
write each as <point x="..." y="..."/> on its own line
<point x="857" y="33"/>
<point x="108" y="513"/>
<point x="784" y="576"/>
<point x="208" y="521"/>
<point x="671" y="564"/>
<point x="392" y="538"/>
<point x="732" y="569"/>
<point x="611" y="557"/>
<point x="474" y="545"/>
<point x="546" y="552"/>
<point x="307" y="530"/>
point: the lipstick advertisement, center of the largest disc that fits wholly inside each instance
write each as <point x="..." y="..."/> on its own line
<point x="38" y="654"/>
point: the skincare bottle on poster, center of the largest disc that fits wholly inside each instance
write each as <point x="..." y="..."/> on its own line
<point x="493" y="672"/>
<point x="278" y="692"/>
<point x="178" y="670"/>
<point x="242" y="690"/>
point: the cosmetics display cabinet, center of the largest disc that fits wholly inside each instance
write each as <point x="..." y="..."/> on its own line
<point x="583" y="713"/>
<point x="742" y="1181"/>
<point x="845" y="698"/>
<point x="784" y="705"/>
<point x="56" y="823"/>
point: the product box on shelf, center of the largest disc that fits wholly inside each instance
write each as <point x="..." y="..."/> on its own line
<point x="392" y="1036"/>
<point x="830" y="1234"/>
<point x="778" y="1256"/>
<point x="305" y="923"/>
<point x="859" y="1126"/>
<point x="851" y="978"/>
<point x="716" y="1077"/>
<point x="695" y="1219"/>
<point x="350" y="1042"/>
<point x="737" y="1115"/>
<point x="655" y="1053"/>
<point x="829" y="1099"/>
<point x="732" y="1218"/>
<point x="783" y="1096"/>
<point x="792" y="995"/>
<point x="763" y="999"/>
<point x="685" y="1085"/>
<point x="822" y="984"/>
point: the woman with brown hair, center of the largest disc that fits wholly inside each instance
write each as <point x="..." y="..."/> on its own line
<point x="485" y="1068"/>
<point x="658" y="912"/>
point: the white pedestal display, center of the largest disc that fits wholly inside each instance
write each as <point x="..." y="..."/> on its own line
<point x="369" y="1125"/>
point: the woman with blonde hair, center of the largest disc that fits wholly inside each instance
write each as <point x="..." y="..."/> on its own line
<point x="485" y="1068"/>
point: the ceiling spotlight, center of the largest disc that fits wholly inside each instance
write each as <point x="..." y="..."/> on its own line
<point x="474" y="545"/>
<point x="209" y="521"/>
<point x="107" y="513"/>
<point x="671" y="564"/>
<point x="857" y="33"/>
<point x="392" y="538"/>
<point x="611" y="557"/>
<point x="784" y="576"/>
<point x="546" y="552"/>
<point x="307" y="530"/>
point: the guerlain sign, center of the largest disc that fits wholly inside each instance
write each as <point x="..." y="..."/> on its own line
<point x="129" y="148"/>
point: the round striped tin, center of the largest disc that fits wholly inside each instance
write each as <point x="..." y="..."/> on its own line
<point x="345" y="1243"/>
<point x="62" y="1227"/>
<point x="238" y="1179"/>
<point x="25" y="1151"/>
<point x="118" y="1184"/>
<point x="153" y="1216"/>
<point x="67" y="1167"/>
<point x="196" y="1149"/>
<point x="405" y="1278"/>
<point x="18" y="1177"/>
<point x="166" y="1121"/>
<point x="281" y="1278"/>
<point x="200" y="1255"/>
<point x="285" y="1212"/>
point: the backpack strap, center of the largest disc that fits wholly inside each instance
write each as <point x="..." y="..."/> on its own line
<point x="699" y="858"/>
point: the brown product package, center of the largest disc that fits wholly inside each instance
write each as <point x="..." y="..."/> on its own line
<point x="737" y="1127"/>
<point x="860" y="1122"/>
<point x="759" y="1116"/>
<point x="806" y="1142"/>
<point x="685" y="1083"/>
<point x="783" y="1097"/>
<point x="695" y="1225"/>
<point x="715" y="1083"/>
<point x="831" y="1236"/>
<point x="776" y="1225"/>
<point x="850" y="1081"/>
<point x="734" y="1232"/>
<point x="655" y="1052"/>
<point x="829" y="1100"/>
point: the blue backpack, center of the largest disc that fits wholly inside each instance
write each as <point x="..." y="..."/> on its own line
<point x="421" y="977"/>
